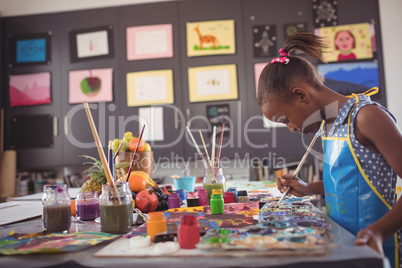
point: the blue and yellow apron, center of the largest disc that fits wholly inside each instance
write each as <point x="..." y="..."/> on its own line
<point x="351" y="199"/>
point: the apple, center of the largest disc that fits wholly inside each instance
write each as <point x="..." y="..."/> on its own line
<point x="91" y="86"/>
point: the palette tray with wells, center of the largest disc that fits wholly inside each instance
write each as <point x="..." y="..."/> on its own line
<point x="269" y="240"/>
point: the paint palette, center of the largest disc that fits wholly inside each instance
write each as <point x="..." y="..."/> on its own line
<point x="283" y="241"/>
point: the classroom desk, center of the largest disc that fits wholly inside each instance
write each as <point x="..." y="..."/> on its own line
<point x="342" y="253"/>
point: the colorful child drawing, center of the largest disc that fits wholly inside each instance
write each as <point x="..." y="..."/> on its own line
<point x="347" y="42"/>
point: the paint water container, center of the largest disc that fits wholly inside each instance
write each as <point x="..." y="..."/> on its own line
<point x="213" y="179"/>
<point x="56" y="204"/>
<point x="188" y="232"/>
<point x="193" y="199"/>
<point x="234" y="190"/>
<point x="156" y="224"/>
<point x="242" y="196"/>
<point x="229" y="197"/>
<point x="87" y="206"/>
<point x="217" y="204"/>
<point x="174" y="200"/>
<point x="203" y="197"/>
<point x="183" y="197"/>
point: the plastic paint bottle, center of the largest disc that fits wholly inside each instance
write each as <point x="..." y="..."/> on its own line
<point x="203" y="197"/>
<point x="234" y="190"/>
<point x="217" y="204"/>
<point x="174" y="200"/>
<point x="156" y="224"/>
<point x="229" y="197"/>
<point x="188" y="232"/>
<point x="192" y="199"/>
<point x="242" y="196"/>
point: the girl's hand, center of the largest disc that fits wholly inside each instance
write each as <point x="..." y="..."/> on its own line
<point x="297" y="186"/>
<point x="371" y="238"/>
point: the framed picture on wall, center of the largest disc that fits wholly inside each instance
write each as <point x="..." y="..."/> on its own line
<point x="213" y="83"/>
<point x="150" y="88"/>
<point x="149" y="42"/>
<point x="93" y="43"/>
<point x="30" y="49"/>
<point x="30" y="89"/>
<point x="94" y="85"/>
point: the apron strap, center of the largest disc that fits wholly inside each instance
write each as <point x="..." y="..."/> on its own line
<point x="370" y="92"/>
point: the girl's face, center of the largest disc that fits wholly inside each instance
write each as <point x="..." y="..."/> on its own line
<point x="344" y="41"/>
<point x="293" y="114"/>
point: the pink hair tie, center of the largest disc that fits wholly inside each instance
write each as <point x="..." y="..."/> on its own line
<point x="283" y="59"/>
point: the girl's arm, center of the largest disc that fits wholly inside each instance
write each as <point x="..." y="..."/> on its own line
<point x="376" y="130"/>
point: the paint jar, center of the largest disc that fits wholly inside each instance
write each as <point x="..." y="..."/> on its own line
<point x="174" y="200"/>
<point x="87" y="206"/>
<point x="188" y="232"/>
<point x="217" y="204"/>
<point x="183" y="197"/>
<point x="56" y="204"/>
<point x="116" y="208"/>
<point x="203" y="197"/>
<point x="193" y="199"/>
<point x="234" y="190"/>
<point x="242" y="196"/>
<point x="229" y="197"/>
<point x="213" y="179"/>
<point x="156" y="224"/>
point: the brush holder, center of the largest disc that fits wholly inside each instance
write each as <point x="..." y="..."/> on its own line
<point x="144" y="161"/>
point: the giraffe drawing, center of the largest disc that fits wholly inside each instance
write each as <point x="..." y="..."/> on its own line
<point x="206" y="38"/>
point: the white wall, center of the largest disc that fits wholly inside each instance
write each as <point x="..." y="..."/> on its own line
<point x="391" y="21"/>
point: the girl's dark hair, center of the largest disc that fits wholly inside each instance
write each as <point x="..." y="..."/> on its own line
<point x="279" y="78"/>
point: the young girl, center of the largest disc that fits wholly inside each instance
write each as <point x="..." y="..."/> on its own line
<point x="361" y="142"/>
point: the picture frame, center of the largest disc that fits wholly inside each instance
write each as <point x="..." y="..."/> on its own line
<point x="149" y="42"/>
<point x="206" y="38"/>
<point x="213" y="83"/>
<point x="30" y="89"/>
<point x="91" y="85"/>
<point x="30" y="49"/>
<point x="91" y="43"/>
<point x="147" y="88"/>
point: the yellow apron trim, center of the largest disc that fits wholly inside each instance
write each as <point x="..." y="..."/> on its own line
<point x="335" y="138"/>
<point x="357" y="160"/>
<point x="370" y="92"/>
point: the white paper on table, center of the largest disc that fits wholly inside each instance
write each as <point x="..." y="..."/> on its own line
<point x="152" y="118"/>
<point x="15" y="211"/>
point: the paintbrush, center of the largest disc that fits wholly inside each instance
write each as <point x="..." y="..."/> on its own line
<point x="135" y="154"/>
<point x="205" y="148"/>
<point x="196" y="147"/>
<point x="298" y="167"/>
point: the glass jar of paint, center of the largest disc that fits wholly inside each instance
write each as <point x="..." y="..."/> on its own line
<point x="192" y="199"/>
<point x="156" y="224"/>
<point x="217" y="204"/>
<point x="203" y="197"/>
<point x="87" y="206"/>
<point x="234" y="190"/>
<point x="229" y="197"/>
<point x="213" y="179"/>
<point x="174" y="200"/>
<point x="183" y="197"/>
<point x="56" y="205"/>
<point x="116" y="208"/>
<point x="188" y="232"/>
<point x="242" y="196"/>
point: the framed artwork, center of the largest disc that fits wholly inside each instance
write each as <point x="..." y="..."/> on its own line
<point x="258" y="67"/>
<point x="150" y="87"/>
<point x="94" y="85"/>
<point x="149" y="42"/>
<point x="30" y="49"/>
<point x="210" y="38"/>
<point x="347" y="42"/>
<point x="213" y="83"/>
<point x="325" y="13"/>
<point x="351" y="77"/>
<point x="29" y="89"/>
<point x="264" y="37"/>
<point x="93" y="43"/>
<point x="290" y="28"/>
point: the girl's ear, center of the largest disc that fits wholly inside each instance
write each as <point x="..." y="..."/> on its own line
<point x="301" y="95"/>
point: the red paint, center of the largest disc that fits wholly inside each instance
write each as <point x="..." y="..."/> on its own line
<point x="188" y="232"/>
